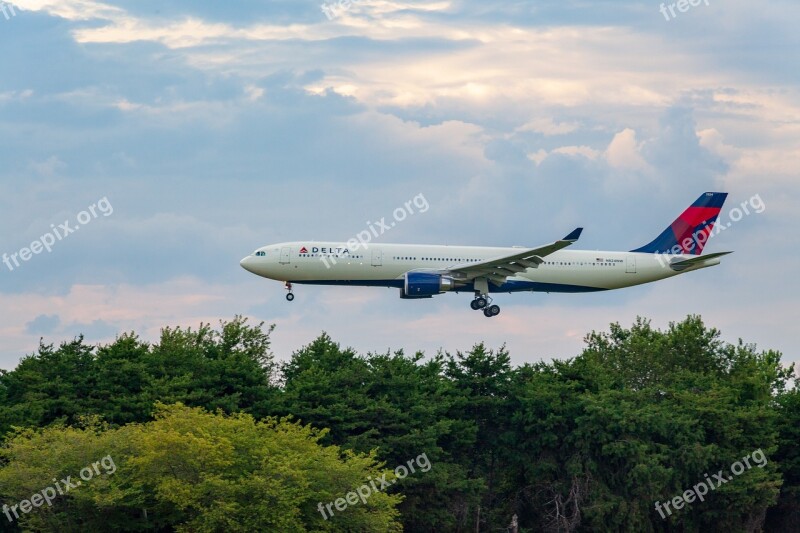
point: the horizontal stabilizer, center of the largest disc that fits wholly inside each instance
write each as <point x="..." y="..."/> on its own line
<point x="683" y="264"/>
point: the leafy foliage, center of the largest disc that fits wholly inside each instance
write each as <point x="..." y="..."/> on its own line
<point x="201" y="426"/>
<point x="190" y="470"/>
<point x="231" y="369"/>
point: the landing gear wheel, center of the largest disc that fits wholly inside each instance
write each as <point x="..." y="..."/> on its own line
<point x="480" y="302"/>
<point x="492" y="310"/>
<point x="290" y="296"/>
<point x="474" y="305"/>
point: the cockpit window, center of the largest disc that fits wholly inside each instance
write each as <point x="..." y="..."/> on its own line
<point x="261" y="254"/>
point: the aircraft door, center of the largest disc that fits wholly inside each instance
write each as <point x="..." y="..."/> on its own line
<point x="377" y="258"/>
<point x="286" y="255"/>
<point x="630" y="264"/>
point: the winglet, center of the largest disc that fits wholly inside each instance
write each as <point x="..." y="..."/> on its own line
<point x="574" y="236"/>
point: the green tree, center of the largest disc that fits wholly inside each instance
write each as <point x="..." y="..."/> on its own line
<point x="785" y="516"/>
<point x="49" y="386"/>
<point x="231" y="368"/>
<point x="397" y="405"/>
<point x="605" y="436"/>
<point x="482" y="381"/>
<point x="190" y="470"/>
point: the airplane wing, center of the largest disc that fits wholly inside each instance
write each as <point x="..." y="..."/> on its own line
<point x="683" y="264"/>
<point x="499" y="269"/>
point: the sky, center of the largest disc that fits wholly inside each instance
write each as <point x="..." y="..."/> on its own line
<point x="158" y="143"/>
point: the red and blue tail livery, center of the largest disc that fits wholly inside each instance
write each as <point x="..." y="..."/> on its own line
<point x="690" y="231"/>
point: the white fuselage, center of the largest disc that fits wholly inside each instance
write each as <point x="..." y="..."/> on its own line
<point x="385" y="265"/>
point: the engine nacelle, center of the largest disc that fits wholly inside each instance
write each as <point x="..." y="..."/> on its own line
<point x="425" y="285"/>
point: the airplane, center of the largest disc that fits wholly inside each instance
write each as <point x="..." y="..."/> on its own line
<point x="424" y="271"/>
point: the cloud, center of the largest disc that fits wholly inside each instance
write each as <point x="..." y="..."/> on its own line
<point x="546" y="126"/>
<point x="623" y="152"/>
<point x="42" y="324"/>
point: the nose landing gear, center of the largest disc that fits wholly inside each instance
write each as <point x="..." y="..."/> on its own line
<point x="290" y="294"/>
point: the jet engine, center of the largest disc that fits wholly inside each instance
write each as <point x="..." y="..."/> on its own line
<point x="425" y="285"/>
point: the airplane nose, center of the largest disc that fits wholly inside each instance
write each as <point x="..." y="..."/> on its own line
<point x="248" y="263"/>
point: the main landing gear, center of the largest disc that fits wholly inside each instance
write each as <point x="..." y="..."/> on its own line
<point x="482" y="301"/>
<point x="290" y="294"/>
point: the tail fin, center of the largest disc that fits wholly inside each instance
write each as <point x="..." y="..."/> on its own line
<point x="690" y="231"/>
